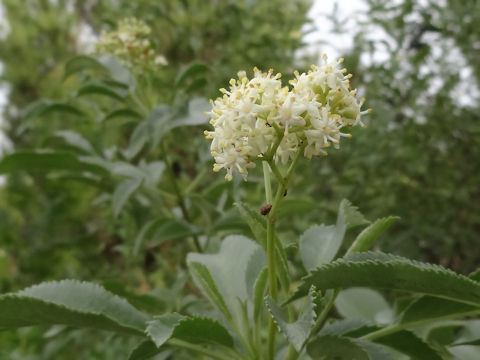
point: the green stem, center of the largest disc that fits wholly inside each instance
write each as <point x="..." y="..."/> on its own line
<point x="266" y="179"/>
<point x="272" y="276"/>
<point x="178" y="193"/>
<point x="199" y="349"/>
<point x="276" y="144"/>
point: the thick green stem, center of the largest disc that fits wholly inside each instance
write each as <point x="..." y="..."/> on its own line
<point x="272" y="276"/>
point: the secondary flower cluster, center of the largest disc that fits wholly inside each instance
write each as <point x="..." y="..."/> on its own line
<point x="258" y="118"/>
<point x="130" y="43"/>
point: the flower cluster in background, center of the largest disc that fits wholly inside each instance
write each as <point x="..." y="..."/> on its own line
<point x="130" y="43"/>
<point x="258" y="118"/>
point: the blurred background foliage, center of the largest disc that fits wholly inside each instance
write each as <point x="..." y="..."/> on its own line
<point x="124" y="199"/>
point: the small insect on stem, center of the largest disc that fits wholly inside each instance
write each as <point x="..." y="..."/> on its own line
<point x="265" y="209"/>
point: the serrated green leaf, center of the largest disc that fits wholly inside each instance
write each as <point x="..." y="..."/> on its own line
<point x="409" y="344"/>
<point x="336" y="347"/>
<point x="76" y="140"/>
<point x="122" y="193"/>
<point x="297" y="332"/>
<point x="364" y="304"/>
<point x="190" y="329"/>
<point x="259" y="292"/>
<point x="380" y="270"/>
<point x="206" y="282"/>
<point x="367" y="237"/>
<point x="475" y="275"/>
<point x="161" y="328"/>
<point x="100" y="89"/>
<point x="349" y="215"/>
<point x="46" y="161"/>
<point x="144" y="302"/>
<point x="72" y="303"/>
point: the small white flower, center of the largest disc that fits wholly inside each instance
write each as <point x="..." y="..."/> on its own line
<point x="255" y="114"/>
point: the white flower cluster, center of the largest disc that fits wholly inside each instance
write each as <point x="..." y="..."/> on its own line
<point x="130" y="44"/>
<point x="258" y="118"/>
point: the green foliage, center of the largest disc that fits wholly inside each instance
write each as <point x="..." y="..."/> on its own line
<point x="108" y="181"/>
<point x="380" y="270"/>
<point x="70" y="303"/>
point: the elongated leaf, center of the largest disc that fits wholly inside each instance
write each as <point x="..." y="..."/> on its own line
<point x="46" y="161"/>
<point x="255" y="265"/>
<point x="380" y="270"/>
<point x="100" y="89"/>
<point x="191" y="71"/>
<point x="367" y="237"/>
<point x="409" y="344"/>
<point x="46" y="106"/>
<point x="364" y="304"/>
<point x="81" y="63"/>
<point x="76" y="140"/>
<point x="123" y="192"/>
<point x="336" y="347"/>
<point x="193" y="329"/>
<point x="206" y="282"/>
<point x="432" y="308"/>
<point x="162" y="230"/>
<point x="72" y="303"/>
<point x="259" y="291"/>
<point x="297" y="332"/>
<point x="140" y="136"/>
